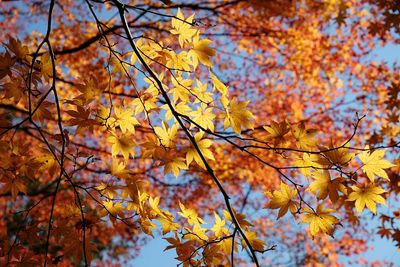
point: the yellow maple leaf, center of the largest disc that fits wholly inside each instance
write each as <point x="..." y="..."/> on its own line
<point x="90" y="90"/>
<point x="14" y="89"/>
<point x="166" y="134"/>
<point x="277" y="131"/>
<point x="304" y="137"/>
<point x="181" y="108"/>
<point x="336" y="156"/>
<point x="374" y="165"/>
<point x="123" y="144"/>
<point x="219" y="228"/>
<point x="238" y="117"/>
<point x="307" y="163"/>
<point x="46" y="67"/>
<point x="320" y="220"/>
<point x="146" y="100"/>
<point x="204" y="117"/>
<point x="181" y="89"/>
<point x="218" y="85"/>
<point x="48" y="161"/>
<point x="202" y="95"/>
<point x="116" y="62"/>
<point x="367" y="196"/>
<point x="180" y="62"/>
<point x="168" y="225"/>
<point x="282" y="200"/>
<point x="43" y="112"/>
<point x="325" y="186"/>
<point x="190" y="215"/>
<point x="198" y="233"/>
<point x="148" y="50"/>
<point x="125" y="120"/>
<point x="256" y="243"/>
<point x="241" y="219"/>
<point x="114" y="209"/>
<point x="204" y="146"/>
<point x="174" y="165"/>
<point x="183" y="27"/>
<point x="201" y="52"/>
<point x="118" y="169"/>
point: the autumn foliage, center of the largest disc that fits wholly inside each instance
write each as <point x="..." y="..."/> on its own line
<point x="241" y="132"/>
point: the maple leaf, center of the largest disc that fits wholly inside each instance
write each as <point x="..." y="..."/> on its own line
<point x="15" y="46"/>
<point x="256" y="243"/>
<point x="282" y="200"/>
<point x="174" y="165"/>
<point x="241" y="219"/>
<point x="118" y="169"/>
<point x="115" y="209"/>
<point x="327" y="187"/>
<point x="320" y="220"/>
<point x="219" y="228"/>
<point x="201" y="52"/>
<point x="336" y="156"/>
<point x="190" y="215"/>
<point x="13" y="89"/>
<point x="90" y="89"/>
<point x="181" y="89"/>
<point x="146" y="100"/>
<point x="168" y="225"/>
<point x="181" y="108"/>
<point x="198" y="233"/>
<point x="212" y="256"/>
<point x="308" y="163"/>
<point x="384" y="232"/>
<point x="202" y="95"/>
<point x="108" y="190"/>
<point x="123" y="144"/>
<point x="169" y="158"/>
<point x="304" y="138"/>
<point x="180" y="62"/>
<point x="184" y="250"/>
<point x="81" y="118"/>
<point x="226" y="246"/>
<point x="277" y="131"/>
<point x="183" y="27"/>
<point x="204" y="146"/>
<point x="367" y="196"/>
<point x="116" y="62"/>
<point x="151" y="51"/>
<point x="48" y="161"/>
<point x="218" y="85"/>
<point x="166" y="134"/>
<point x="374" y="165"/>
<point x="147" y="226"/>
<point x="43" y="112"/>
<point x="151" y="147"/>
<point x="204" y="117"/>
<point x="14" y="186"/>
<point x="46" y="67"/>
<point x="125" y="120"/>
<point x="6" y="63"/>
<point x="238" y="117"/>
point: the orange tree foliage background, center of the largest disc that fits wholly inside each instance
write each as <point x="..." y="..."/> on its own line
<point x="199" y="121"/>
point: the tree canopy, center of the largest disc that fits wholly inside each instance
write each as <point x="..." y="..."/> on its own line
<point x="242" y="132"/>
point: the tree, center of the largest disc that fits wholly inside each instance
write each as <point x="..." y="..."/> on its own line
<point x="240" y="131"/>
